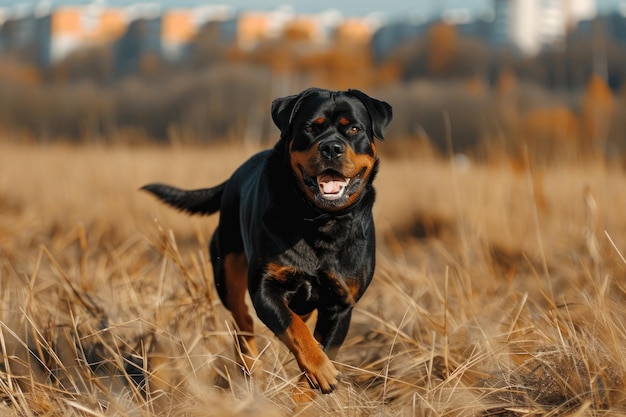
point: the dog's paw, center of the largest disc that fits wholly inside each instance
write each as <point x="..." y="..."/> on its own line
<point x="324" y="376"/>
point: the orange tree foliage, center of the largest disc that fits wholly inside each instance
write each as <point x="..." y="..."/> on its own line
<point x="550" y="124"/>
<point x="506" y="83"/>
<point x="597" y="112"/>
<point x="506" y="95"/>
<point x="441" y="48"/>
<point x="346" y="63"/>
<point x="544" y="133"/>
<point x="13" y="71"/>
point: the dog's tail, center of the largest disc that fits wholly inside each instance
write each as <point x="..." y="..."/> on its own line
<point x="201" y="201"/>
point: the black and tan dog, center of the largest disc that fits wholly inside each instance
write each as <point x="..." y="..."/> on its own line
<point x="296" y="227"/>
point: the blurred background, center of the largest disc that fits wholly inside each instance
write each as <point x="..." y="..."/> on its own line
<point x="482" y="77"/>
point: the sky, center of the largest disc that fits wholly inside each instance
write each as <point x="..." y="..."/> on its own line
<point x="346" y="7"/>
<point x="422" y="8"/>
<point x="364" y="7"/>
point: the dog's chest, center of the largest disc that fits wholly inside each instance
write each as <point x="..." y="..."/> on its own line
<point x="319" y="276"/>
<point x="334" y="248"/>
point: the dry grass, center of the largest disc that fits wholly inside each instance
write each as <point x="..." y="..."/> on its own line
<point x="499" y="291"/>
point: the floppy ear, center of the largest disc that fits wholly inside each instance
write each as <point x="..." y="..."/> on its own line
<point x="379" y="111"/>
<point x="282" y="109"/>
<point x="285" y="108"/>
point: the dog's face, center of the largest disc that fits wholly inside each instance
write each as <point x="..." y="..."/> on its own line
<point x="330" y="138"/>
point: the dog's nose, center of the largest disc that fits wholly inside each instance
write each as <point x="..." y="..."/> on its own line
<point x="332" y="149"/>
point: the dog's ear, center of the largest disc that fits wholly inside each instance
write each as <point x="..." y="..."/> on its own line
<point x="282" y="109"/>
<point x="285" y="108"/>
<point x="379" y="111"/>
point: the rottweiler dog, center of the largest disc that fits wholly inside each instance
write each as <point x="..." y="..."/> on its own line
<point x="296" y="227"/>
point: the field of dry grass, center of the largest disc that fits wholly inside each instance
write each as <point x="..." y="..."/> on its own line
<point x="499" y="291"/>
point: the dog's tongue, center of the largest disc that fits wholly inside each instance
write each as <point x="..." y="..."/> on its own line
<point x="331" y="183"/>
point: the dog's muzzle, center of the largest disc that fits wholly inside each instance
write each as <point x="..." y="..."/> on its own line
<point x="331" y="186"/>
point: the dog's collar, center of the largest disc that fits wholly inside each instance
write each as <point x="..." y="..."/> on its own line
<point x="320" y="216"/>
<point x="314" y="214"/>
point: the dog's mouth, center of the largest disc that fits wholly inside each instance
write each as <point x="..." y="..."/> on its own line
<point x="332" y="185"/>
<point x="331" y="189"/>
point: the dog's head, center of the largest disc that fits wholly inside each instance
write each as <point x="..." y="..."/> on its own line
<point x="330" y="139"/>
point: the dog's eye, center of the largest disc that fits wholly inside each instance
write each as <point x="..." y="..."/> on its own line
<point x="308" y="128"/>
<point x="353" y="130"/>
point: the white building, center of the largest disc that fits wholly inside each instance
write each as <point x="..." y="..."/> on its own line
<point x="530" y="25"/>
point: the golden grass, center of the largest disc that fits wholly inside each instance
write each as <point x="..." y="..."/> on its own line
<point x="498" y="291"/>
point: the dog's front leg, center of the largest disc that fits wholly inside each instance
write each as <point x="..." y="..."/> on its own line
<point x="271" y="306"/>
<point x="332" y="327"/>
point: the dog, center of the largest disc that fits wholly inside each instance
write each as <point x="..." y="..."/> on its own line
<point x="296" y="228"/>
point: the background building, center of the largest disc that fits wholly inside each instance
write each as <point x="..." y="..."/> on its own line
<point x="530" y="25"/>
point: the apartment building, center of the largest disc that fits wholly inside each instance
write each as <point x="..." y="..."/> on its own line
<point x="530" y="25"/>
<point x="48" y="35"/>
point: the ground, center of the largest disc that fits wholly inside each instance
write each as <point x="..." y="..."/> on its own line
<point x="498" y="291"/>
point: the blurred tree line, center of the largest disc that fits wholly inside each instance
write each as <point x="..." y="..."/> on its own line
<point x="448" y="90"/>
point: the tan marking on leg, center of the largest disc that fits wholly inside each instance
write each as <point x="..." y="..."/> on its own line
<point x="278" y="272"/>
<point x="319" y="370"/>
<point x="236" y="270"/>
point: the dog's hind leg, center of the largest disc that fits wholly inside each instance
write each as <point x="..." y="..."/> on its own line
<point x="234" y="279"/>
